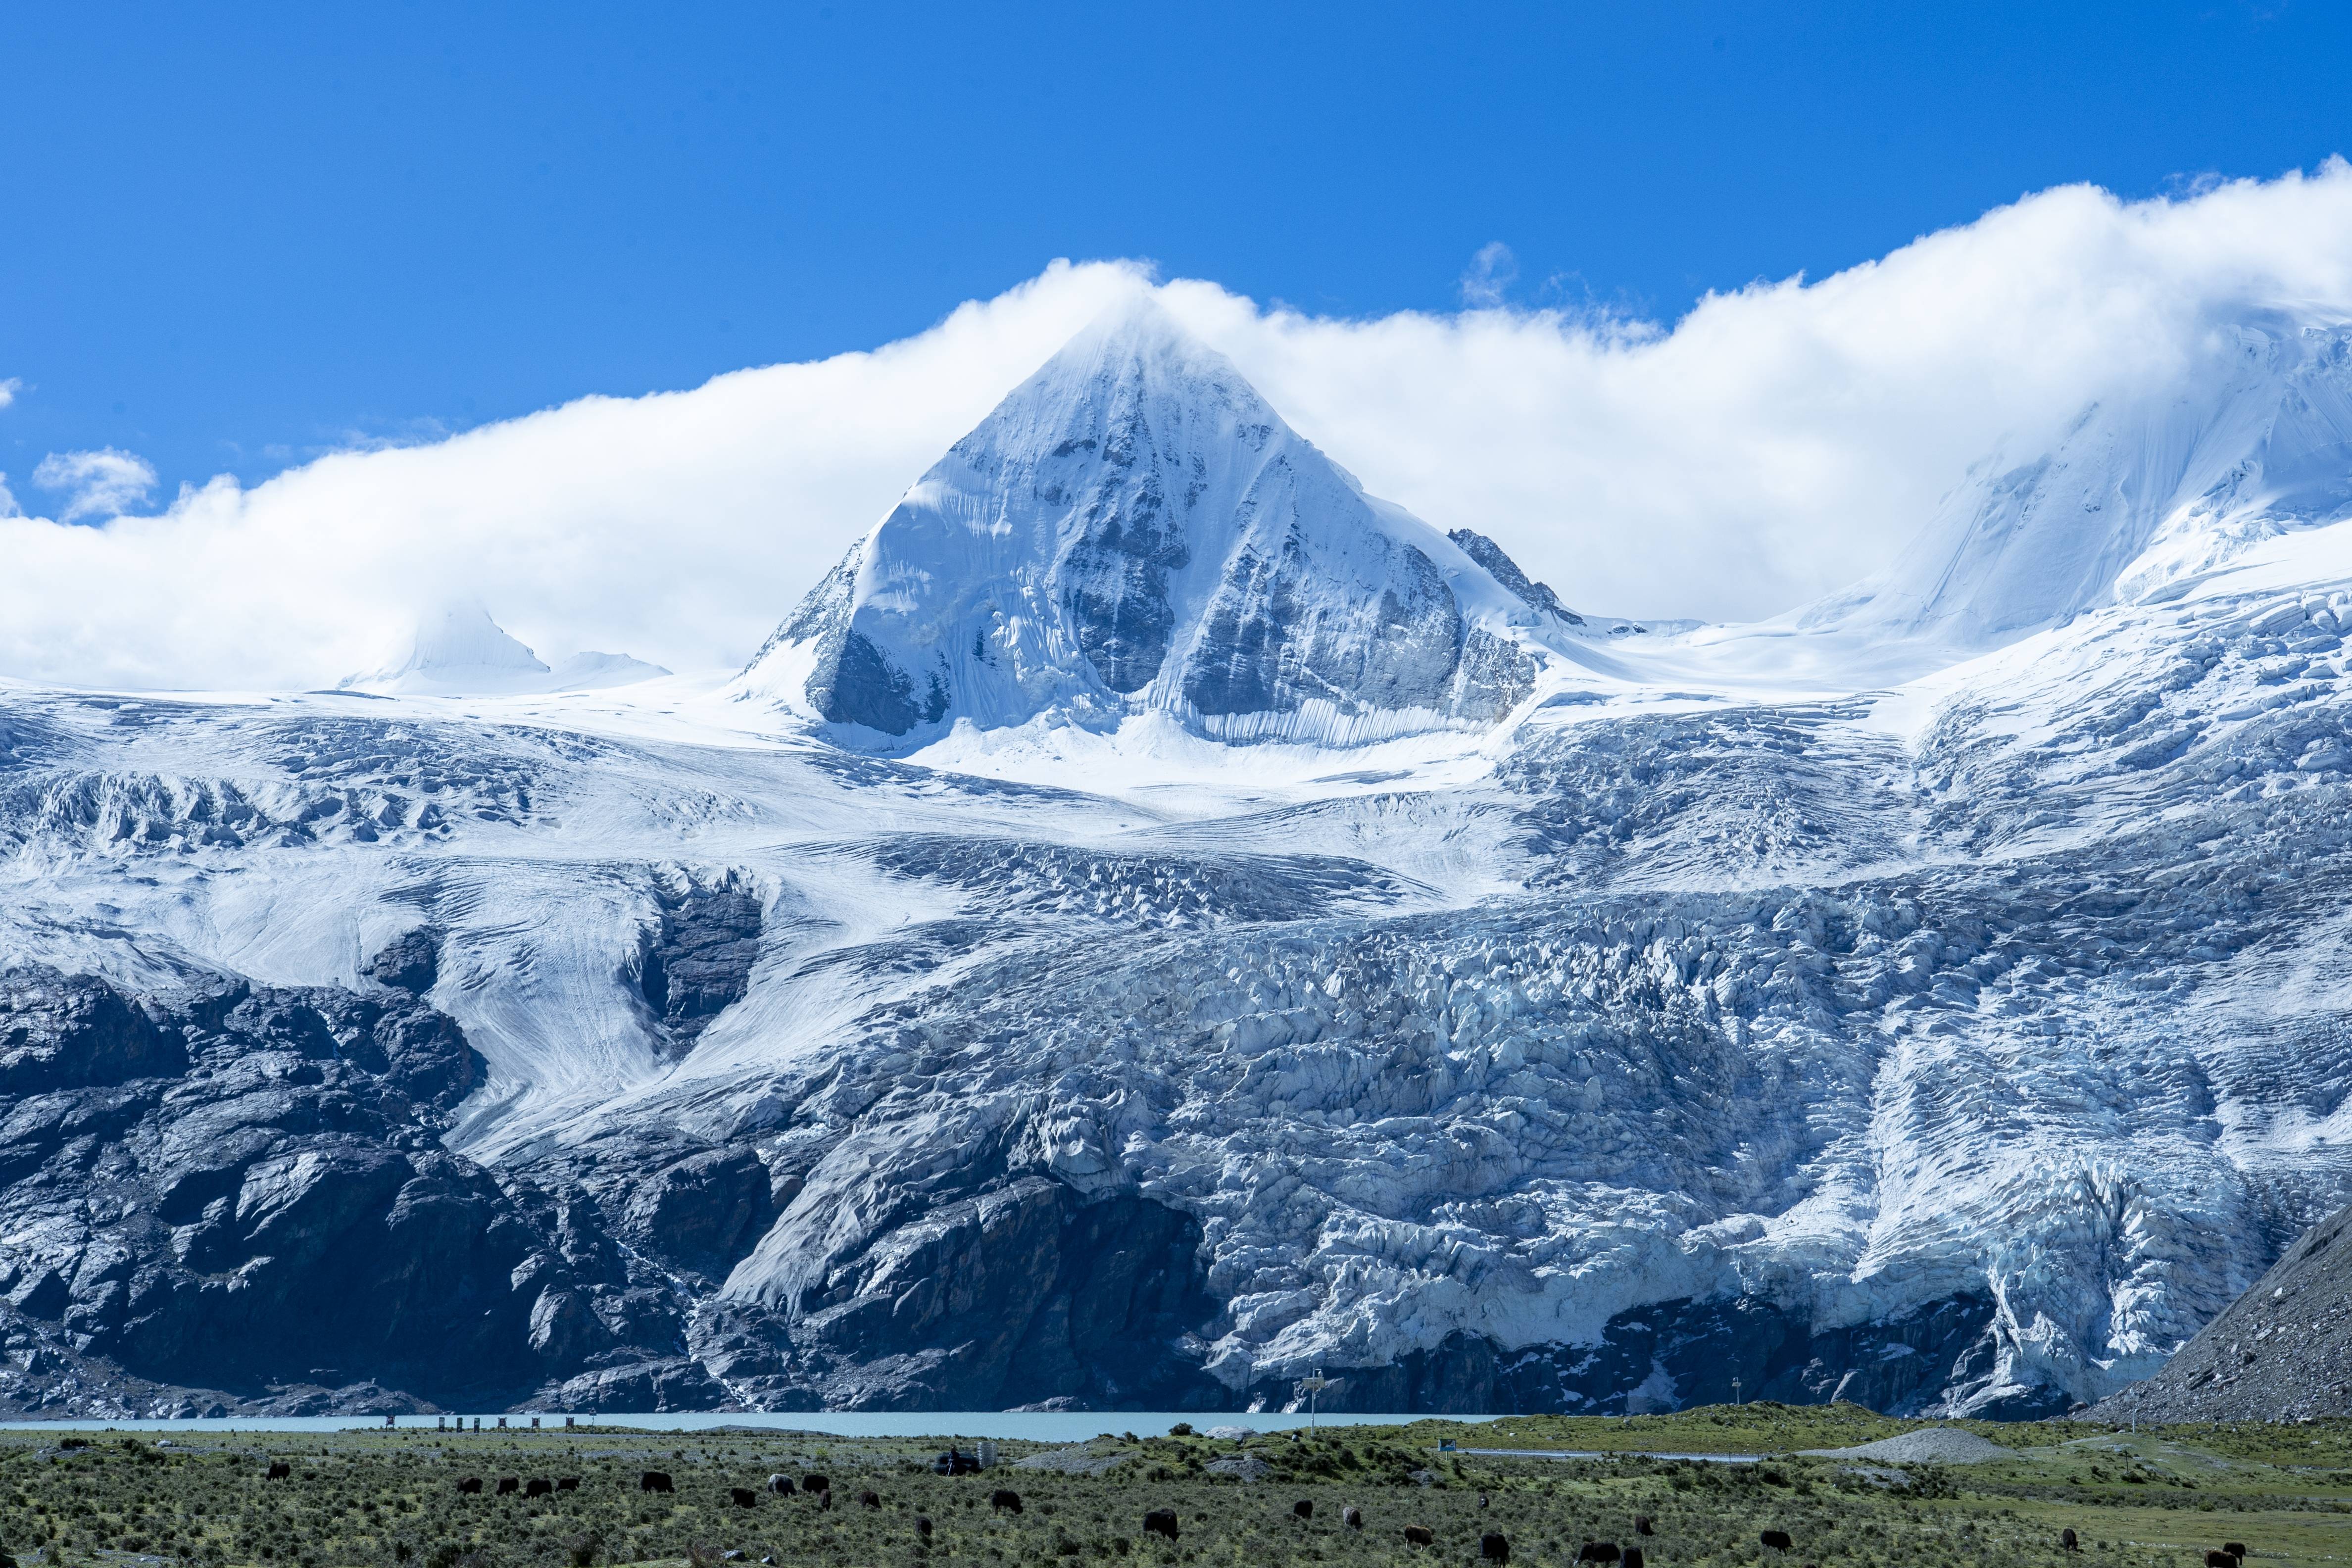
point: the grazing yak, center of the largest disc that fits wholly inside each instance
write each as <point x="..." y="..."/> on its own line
<point x="1010" y="1501"/>
<point x="567" y="1483"/>
<point x="1632" y="1558"/>
<point x="2069" y="1540"/>
<point x="1160" y="1521"/>
<point x="1494" y="1548"/>
<point x="1778" y="1540"/>
<point x="816" y="1484"/>
<point x="471" y="1485"/>
<point x="509" y="1485"/>
<point x="655" y="1481"/>
<point x="1598" y="1552"/>
<point x="1420" y="1535"/>
<point x="1642" y="1525"/>
<point x="742" y="1496"/>
<point x="782" y="1485"/>
<point x="923" y="1525"/>
<point x="1352" y="1517"/>
<point x="1303" y="1508"/>
<point x="279" y="1470"/>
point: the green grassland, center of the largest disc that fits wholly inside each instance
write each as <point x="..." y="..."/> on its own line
<point x="2155" y="1497"/>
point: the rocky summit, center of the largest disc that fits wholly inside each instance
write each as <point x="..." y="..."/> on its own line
<point x="1158" y="921"/>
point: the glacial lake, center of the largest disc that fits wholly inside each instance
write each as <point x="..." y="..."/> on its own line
<point x="1034" y="1426"/>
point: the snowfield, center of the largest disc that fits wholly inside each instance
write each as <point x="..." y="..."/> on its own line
<point x="1158" y="921"/>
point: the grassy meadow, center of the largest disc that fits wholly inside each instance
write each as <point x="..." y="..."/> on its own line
<point x="2157" y="1497"/>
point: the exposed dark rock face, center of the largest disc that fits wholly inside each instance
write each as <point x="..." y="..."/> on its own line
<point x="1270" y="641"/>
<point x="410" y="962"/>
<point x="699" y="962"/>
<point x="1506" y="571"/>
<point x="236" y="1198"/>
<point x="1021" y="1294"/>
<point x="2281" y="1352"/>
<point x="1117" y="574"/>
<point x="703" y="1213"/>
<point x="1677" y="1355"/>
<point x="60" y="1034"/>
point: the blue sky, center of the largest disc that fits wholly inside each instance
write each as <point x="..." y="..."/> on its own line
<point x="239" y="236"/>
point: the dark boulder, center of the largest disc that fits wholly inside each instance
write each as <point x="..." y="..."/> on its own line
<point x="410" y="962"/>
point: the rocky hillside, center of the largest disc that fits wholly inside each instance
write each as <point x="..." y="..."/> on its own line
<point x="2283" y="1351"/>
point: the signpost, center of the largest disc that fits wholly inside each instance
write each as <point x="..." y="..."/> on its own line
<point x="1312" y="1384"/>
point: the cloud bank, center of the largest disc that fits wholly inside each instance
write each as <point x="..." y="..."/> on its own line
<point x="1775" y="443"/>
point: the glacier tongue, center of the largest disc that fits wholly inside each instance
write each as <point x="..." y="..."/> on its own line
<point x="1134" y="529"/>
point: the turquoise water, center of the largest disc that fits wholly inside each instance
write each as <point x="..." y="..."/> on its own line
<point x="1035" y="1427"/>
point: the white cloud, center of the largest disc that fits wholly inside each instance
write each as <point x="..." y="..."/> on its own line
<point x="104" y="483"/>
<point x="1492" y="272"/>
<point x="1773" y="445"/>
<point x="9" y="388"/>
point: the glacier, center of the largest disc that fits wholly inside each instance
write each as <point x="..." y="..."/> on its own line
<point x="1156" y="920"/>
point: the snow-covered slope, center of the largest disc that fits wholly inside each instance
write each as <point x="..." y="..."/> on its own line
<point x="2144" y="491"/>
<point x="1133" y="529"/>
<point x="1962" y="1044"/>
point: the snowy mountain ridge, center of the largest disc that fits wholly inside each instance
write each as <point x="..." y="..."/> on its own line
<point x="2142" y="493"/>
<point x="461" y="652"/>
<point x="1953" y="1041"/>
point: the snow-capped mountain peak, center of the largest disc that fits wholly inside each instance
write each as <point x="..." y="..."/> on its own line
<point x="2143" y="490"/>
<point x="1135" y="529"/>
<point x="459" y="651"/>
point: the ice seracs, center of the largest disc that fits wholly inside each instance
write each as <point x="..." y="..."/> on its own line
<point x="1133" y="529"/>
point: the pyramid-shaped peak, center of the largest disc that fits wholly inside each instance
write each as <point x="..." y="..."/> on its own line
<point x="1135" y="529"/>
<point x="457" y="650"/>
